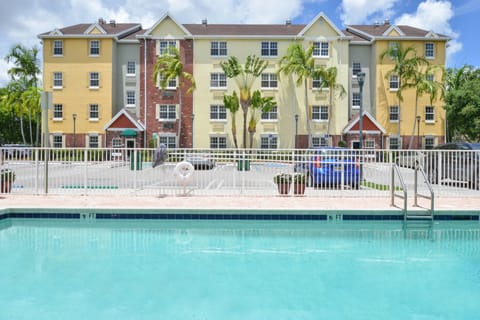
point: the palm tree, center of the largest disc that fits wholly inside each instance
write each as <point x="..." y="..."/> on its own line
<point x="231" y="103"/>
<point x="244" y="76"/>
<point x="329" y="80"/>
<point x="259" y="103"/>
<point x="13" y="101"/>
<point x="406" y="66"/>
<point x="300" y="61"/>
<point x="169" y="67"/>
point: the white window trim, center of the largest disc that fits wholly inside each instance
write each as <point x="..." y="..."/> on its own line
<point x="158" y="45"/>
<point x="390" y="112"/>
<point x="56" y="118"/>
<point x="53" y="84"/>
<point x="90" y="112"/>
<point x="269" y="120"/>
<point x="131" y="74"/>
<point x="218" y="120"/>
<point x="320" y="113"/>
<point x="269" y="48"/>
<point x="269" y="82"/>
<point x="425" y="47"/>
<point x="218" y="88"/>
<point x="129" y="105"/>
<point x="53" y="49"/>
<point x="268" y="135"/>
<point x="90" y="80"/>
<point x="320" y="56"/>
<point x="167" y="119"/>
<point x="218" y="55"/>
<point x="90" y="49"/>
<point x="168" y="135"/>
<point x="390" y="81"/>
<point x="355" y="106"/>
<point x="425" y="115"/>
<point x="218" y="136"/>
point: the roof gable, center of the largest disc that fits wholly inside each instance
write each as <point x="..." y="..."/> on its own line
<point x="167" y="28"/>
<point x="368" y="124"/>
<point x="394" y="31"/>
<point x="123" y="120"/>
<point x="321" y="26"/>
<point x="95" y="28"/>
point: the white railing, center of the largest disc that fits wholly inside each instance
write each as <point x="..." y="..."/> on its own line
<point x="234" y="172"/>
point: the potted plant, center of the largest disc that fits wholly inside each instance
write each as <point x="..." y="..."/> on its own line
<point x="7" y="177"/>
<point x="299" y="183"/>
<point x="283" y="181"/>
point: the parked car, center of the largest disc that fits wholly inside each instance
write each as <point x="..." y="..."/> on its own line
<point x="410" y="158"/>
<point x="200" y="161"/>
<point x="326" y="166"/>
<point x="17" y="150"/>
<point x="454" y="163"/>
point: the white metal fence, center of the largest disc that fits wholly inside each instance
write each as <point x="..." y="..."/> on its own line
<point x="231" y="172"/>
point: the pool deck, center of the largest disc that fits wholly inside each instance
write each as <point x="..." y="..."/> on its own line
<point x="12" y="201"/>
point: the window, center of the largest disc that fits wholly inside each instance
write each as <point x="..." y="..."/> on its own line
<point x="94" y="47"/>
<point x="57" y="112"/>
<point x="270" y="115"/>
<point x="319" y="142"/>
<point x="218" y="48"/>
<point x="429" y="143"/>
<point x="94" y="80"/>
<point x="131" y="99"/>
<point x="355" y="100"/>
<point x="117" y="142"/>
<point x="218" y="112"/>
<point x="320" y="113"/>
<point x="164" y="46"/>
<point x="169" y="141"/>
<point x="394" y="82"/>
<point x="218" y="80"/>
<point x="57" y="80"/>
<point x="57" y="47"/>
<point x="93" y="141"/>
<point x="269" y="81"/>
<point x="394" y="143"/>
<point x="269" y="49"/>
<point x="394" y="110"/>
<point x="370" y="144"/>
<point x="218" y="142"/>
<point x="430" y="77"/>
<point x="356" y="68"/>
<point x="320" y="49"/>
<point x="93" y="111"/>
<point x="57" y="141"/>
<point x="393" y="46"/>
<point x="429" y="114"/>
<point x="171" y="85"/>
<point x="429" y="50"/>
<point x="317" y="82"/>
<point x="131" y="68"/>
<point x="167" y="112"/>
<point x="269" y="142"/>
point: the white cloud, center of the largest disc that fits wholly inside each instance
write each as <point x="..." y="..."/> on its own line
<point x="366" y="11"/>
<point x="434" y="15"/>
<point x="4" y="77"/>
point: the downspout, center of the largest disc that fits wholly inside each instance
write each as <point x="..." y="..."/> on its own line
<point x="145" y="92"/>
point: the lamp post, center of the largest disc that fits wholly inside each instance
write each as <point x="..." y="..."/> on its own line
<point x="418" y="132"/>
<point x="296" y="130"/>
<point x="74" y="115"/>
<point x="193" y="118"/>
<point x="361" y="81"/>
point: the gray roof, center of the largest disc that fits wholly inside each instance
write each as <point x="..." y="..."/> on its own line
<point x="244" y="29"/>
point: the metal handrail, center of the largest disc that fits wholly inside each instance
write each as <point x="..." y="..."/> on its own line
<point x="416" y="195"/>
<point x="396" y="170"/>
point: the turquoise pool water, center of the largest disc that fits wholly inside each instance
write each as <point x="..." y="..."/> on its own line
<point x="238" y="270"/>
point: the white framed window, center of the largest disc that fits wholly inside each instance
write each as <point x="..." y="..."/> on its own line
<point x="94" y="48"/>
<point x="394" y="143"/>
<point x="57" y="80"/>
<point x="57" y="111"/>
<point x="321" y="49"/>
<point x="356" y="68"/>
<point x="57" y="141"/>
<point x="93" y="111"/>
<point x="131" y="98"/>
<point x="171" y="84"/>
<point x="218" y="48"/>
<point x="394" y="82"/>
<point x="430" y="77"/>
<point x="93" y="141"/>
<point x="429" y="50"/>
<point x="94" y="80"/>
<point x="269" y="49"/>
<point x="394" y="46"/>
<point x="218" y="112"/>
<point x="394" y="112"/>
<point x="167" y="112"/>
<point x="356" y="100"/>
<point x="218" y="142"/>
<point x="429" y="114"/>
<point x="117" y="142"/>
<point x="317" y="82"/>
<point x="369" y="144"/>
<point x="169" y="140"/>
<point x="320" y="113"/>
<point x="58" y="48"/>
<point x="428" y="142"/>
<point x="165" y="45"/>
<point x="271" y="115"/>
<point x="131" y="68"/>
<point x="319" y="141"/>
<point x="218" y="80"/>
<point x="269" y="141"/>
<point x="269" y="81"/>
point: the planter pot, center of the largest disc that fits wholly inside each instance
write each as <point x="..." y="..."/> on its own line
<point x="298" y="188"/>
<point x="6" y="187"/>
<point x="283" y="188"/>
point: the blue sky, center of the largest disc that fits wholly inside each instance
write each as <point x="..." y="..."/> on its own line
<point x="22" y="20"/>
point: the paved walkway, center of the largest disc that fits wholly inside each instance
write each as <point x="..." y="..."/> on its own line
<point x="204" y="202"/>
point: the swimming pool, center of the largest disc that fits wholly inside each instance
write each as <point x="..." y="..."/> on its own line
<point x="76" y="269"/>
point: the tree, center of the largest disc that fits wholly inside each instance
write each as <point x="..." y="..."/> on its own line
<point x="169" y="67"/>
<point x="300" y="61"/>
<point x="244" y="76"/>
<point x="259" y="103"/>
<point x="329" y="80"/>
<point x="406" y="65"/>
<point x="232" y="104"/>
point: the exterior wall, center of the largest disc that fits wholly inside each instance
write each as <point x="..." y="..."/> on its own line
<point x="127" y="52"/>
<point x="360" y="53"/>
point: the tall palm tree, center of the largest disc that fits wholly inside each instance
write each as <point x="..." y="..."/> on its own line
<point x="329" y="80"/>
<point x="244" y="76"/>
<point x="13" y="101"/>
<point x="169" y="67"/>
<point x="300" y="61"/>
<point x="232" y="104"/>
<point x="406" y="65"/>
<point x="259" y="103"/>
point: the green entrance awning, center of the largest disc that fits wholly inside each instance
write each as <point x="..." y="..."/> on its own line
<point x="129" y="133"/>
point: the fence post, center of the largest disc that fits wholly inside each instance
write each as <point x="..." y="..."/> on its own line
<point x="85" y="172"/>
